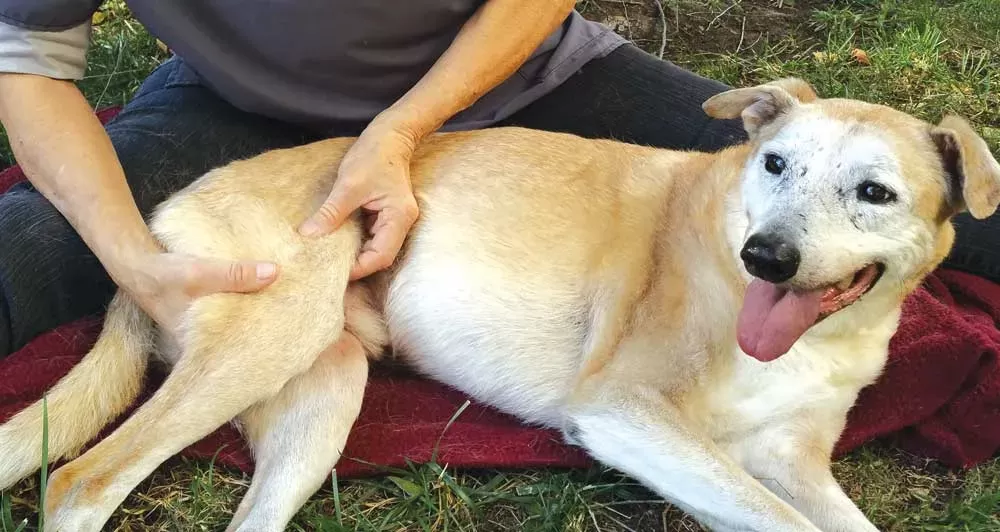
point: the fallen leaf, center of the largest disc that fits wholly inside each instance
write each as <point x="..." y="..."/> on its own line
<point x="98" y="18"/>
<point x="861" y="56"/>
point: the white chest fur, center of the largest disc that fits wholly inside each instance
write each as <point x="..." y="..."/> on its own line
<point x="820" y="377"/>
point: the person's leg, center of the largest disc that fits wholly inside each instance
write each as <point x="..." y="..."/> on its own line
<point x="635" y="97"/>
<point x="172" y="132"/>
<point x="977" y="247"/>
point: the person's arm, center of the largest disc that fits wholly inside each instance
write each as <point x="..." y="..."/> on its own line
<point x="66" y="154"/>
<point x="492" y="45"/>
<point x="374" y="174"/>
<point x="68" y="157"/>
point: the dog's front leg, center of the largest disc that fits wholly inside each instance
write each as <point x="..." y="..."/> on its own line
<point x="797" y="469"/>
<point x="639" y="432"/>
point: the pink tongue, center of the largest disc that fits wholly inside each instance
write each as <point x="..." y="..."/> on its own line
<point x="773" y="318"/>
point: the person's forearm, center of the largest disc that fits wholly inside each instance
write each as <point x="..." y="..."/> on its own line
<point x="68" y="157"/>
<point x="492" y="45"/>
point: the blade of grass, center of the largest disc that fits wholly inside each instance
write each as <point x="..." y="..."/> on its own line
<point x="338" y="511"/>
<point x="454" y="416"/>
<point x="7" y="516"/>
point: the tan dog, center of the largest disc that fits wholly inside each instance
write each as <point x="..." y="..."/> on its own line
<point x="598" y="287"/>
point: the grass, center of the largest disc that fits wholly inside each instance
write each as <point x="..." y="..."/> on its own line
<point x="925" y="57"/>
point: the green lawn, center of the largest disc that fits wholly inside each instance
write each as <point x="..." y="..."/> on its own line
<point x="921" y="56"/>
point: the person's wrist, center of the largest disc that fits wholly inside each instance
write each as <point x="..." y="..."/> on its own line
<point x="133" y="269"/>
<point x="401" y="128"/>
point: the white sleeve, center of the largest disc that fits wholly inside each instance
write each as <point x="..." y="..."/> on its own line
<point x="60" y="54"/>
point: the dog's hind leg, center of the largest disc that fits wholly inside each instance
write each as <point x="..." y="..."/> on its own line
<point x="298" y="436"/>
<point x="237" y="350"/>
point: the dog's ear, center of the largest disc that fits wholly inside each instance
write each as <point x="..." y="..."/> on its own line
<point x="973" y="172"/>
<point x="759" y="105"/>
<point x="798" y="88"/>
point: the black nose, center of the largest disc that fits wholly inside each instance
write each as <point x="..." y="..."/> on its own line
<point x="770" y="258"/>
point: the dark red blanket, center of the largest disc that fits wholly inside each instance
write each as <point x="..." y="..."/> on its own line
<point x="939" y="396"/>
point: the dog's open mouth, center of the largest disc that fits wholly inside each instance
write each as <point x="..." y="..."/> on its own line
<point x="846" y="292"/>
<point x="773" y="317"/>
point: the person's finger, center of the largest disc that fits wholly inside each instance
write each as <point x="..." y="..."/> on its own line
<point x="389" y="233"/>
<point x="238" y="276"/>
<point x="345" y="198"/>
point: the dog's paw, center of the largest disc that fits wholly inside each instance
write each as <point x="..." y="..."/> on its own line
<point x="72" y="504"/>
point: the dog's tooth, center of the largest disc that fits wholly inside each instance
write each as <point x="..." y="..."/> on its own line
<point x="845" y="284"/>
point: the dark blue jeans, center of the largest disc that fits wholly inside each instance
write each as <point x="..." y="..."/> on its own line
<point x="174" y="130"/>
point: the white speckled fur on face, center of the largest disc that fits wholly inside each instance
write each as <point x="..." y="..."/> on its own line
<point x="814" y="203"/>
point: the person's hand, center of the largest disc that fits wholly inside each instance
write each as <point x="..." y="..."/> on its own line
<point x="165" y="284"/>
<point x="374" y="175"/>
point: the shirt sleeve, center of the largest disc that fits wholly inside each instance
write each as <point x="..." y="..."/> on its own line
<point x="60" y="54"/>
<point x="46" y="37"/>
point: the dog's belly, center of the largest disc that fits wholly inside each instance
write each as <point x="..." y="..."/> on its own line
<point x="509" y="342"/>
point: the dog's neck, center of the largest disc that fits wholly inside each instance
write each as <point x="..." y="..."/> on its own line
<point x="715" y="180"/>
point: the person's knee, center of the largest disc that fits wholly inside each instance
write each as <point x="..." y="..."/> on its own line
<point x="28" y="221"/>
<point x="976" y="248"/>
<point x="48" y="276"/>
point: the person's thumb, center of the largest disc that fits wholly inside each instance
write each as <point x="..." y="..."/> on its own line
<point x="241" y="276"/>
<point x="343" y="201"/>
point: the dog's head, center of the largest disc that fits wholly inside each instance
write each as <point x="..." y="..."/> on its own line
<point x="847" y="201"/>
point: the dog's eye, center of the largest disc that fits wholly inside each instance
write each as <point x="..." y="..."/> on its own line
<point x="774" y="164"/>
<point x="875" y="193"/>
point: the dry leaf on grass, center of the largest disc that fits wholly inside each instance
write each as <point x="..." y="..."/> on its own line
<point x="861" y="56"/>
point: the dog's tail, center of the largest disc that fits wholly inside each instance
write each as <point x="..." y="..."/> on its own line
<point x="89" y="397"/>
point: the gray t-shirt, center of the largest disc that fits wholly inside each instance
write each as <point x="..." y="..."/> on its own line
<point x="311" y="62"/>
